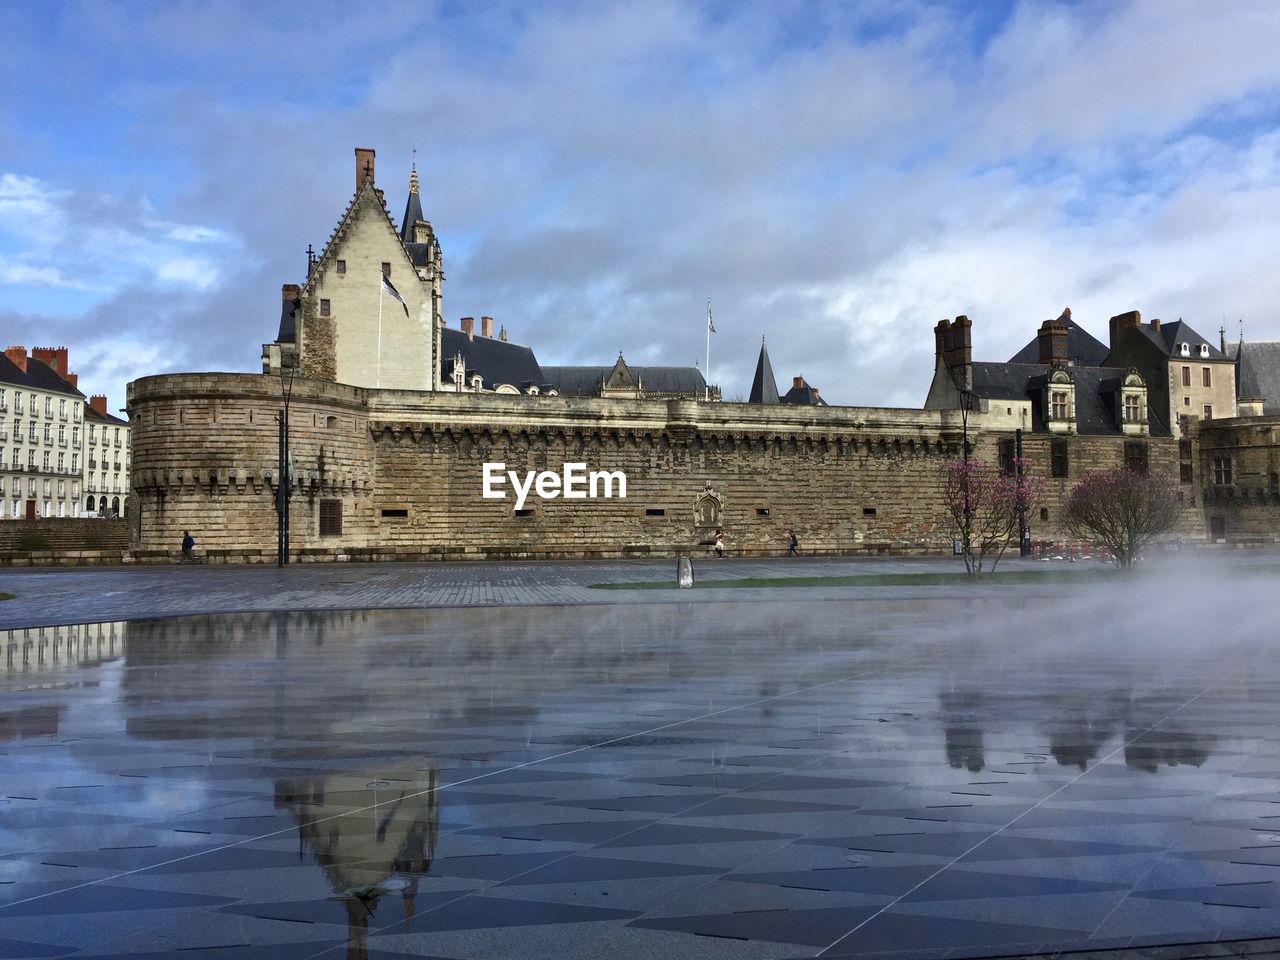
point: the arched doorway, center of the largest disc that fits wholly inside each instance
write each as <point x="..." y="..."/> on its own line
<point x="88" y="505"/>
<point x="115" y="505"/>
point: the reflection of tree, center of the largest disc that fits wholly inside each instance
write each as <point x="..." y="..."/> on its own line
<point x="1083" y="724"/>
<point x="371" y="837"/>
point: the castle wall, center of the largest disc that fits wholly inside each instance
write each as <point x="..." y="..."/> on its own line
<point x="404" y="470"/>
<point x="1246" y="510"/>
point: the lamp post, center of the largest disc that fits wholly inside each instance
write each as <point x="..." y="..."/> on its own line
<point x="283" y="479"/>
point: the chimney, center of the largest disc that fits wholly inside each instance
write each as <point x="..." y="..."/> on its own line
<point x="797" y="383"/>
<point x="18" y="355"/>
<point x="1052" y="337"/>
<point x="1122" y="322"/>
<point x="486" y="327"/>
<point x="1155" y="325"/>
<point x="502" y="335"/>
<point x="99" y="403"/>
<point x="953" y="343"/>
<point x="364" y="166"/>
<point x="941" y="336"/>
<point x="469" y="327"/>
<point x="73" y="379"/>
<point x="53" y="357"/>
<point x="290" y="292"/>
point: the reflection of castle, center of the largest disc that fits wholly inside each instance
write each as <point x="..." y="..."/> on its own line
<point x="53" y="648"/>
<point x="1079" y="729"/>
<point x="371" y="836"/>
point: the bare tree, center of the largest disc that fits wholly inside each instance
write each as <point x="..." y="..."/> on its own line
<point x="1122" y="510"/>
<point x="985" y="506"/>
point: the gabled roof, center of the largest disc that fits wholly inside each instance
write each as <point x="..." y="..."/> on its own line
<point x="38" y="376"/>
<point x="1083" y="348"/>
<point x="804" y="396"/>
<point x="764" y="387"/>
<point x="1096" y="390"/>
<point x="497" y="361"/>
<point x="587" y="381"/>
<point x="367" y="194"/>
<point x="1258" y="374"/>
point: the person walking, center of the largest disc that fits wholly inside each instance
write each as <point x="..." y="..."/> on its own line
<point x="718" y="544"/>
<point x="793" y="545"/>
<point x="188" y="544"/>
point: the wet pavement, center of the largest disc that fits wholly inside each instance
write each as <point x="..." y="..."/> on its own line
<point x="1004" y="773"/>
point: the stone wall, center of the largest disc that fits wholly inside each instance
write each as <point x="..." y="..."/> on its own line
<point x="404" y="471"/>
<point x="80" y="540"/>
<point x="1246" y="510"/>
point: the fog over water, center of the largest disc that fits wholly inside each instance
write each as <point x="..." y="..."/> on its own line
<point x="879" y="769"/>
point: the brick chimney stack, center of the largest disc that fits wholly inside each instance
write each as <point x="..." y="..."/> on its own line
<point x="486" y="327"/>
<point x="289" y="292"/>
<point x="18" y="356"/>
<point x="469" y="327"/>
<point x="364" y="166"/>
<point x="1052" y="336"/>
<point x="1155" y="326"/>
<point x="954" y="347"/>
<point x="73" y="379"/>
<point x="99" y="403"/>
<point x="1122" y="322"/>
<point x="53" y="357"/>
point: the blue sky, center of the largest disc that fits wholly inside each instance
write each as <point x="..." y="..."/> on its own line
<point x="836" y="176"/>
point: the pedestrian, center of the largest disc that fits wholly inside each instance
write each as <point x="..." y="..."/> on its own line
<point x="719" y="543"/>
<point x="793" y="545"/>
<point x="188" y="544"/>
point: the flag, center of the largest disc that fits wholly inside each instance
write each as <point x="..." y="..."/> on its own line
<point x="388" y="288"/>
<point x="711" y="327"/>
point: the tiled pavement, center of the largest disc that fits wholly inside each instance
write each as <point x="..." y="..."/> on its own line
<point x="936" y="774"/>
<point x="78" y="595"/>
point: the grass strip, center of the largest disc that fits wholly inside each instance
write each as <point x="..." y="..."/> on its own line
<point x="6" y="596"/>
<point x="876" y="580"/>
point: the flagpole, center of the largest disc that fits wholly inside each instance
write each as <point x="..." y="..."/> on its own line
<point x="378" y="376"/>
<point x="707" y="395"/>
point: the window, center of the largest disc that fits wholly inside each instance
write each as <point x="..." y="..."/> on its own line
<point x="61" y="461"/>
<point x="1131" y="409"/>
<point x="386" y="270"/>
<point x="75" y="463"/>
<point x="1186" y="376"/>
<point x="330" y="518"/>
<point x="46" y="460"/>
<point x="1208" y="412"/>
<point x="1275" y="484"/>
<point x="1044" y="513"/>
<point x="1184" y="473"/>
<point x="1058" y="406"/>
<point x="762" y="511"/>
<point x="32" y="405"/>
<point x="1135" y="456"/>
<point x="342" y="266"/>
<point x="525" y="513"/>
<point x="1206" y="377"/>
<point x="1006" y="453"/>
<point x="655" y="512"/>
<point x="395" y="513"/>
<point x="3" y="403"/>
<point x="1186" y="401"/>
<point x="1184" y="449"/>
<point x="331" y="423"/>
<point x="324" y="308"/>
<point x="48" y="406"/>
<point x="1222" y="470"/>
<point x="48" y="432"/>
<point x="62" y="435"/>
<point x="868" y="511"/>
<point x="62" y="409"/>
<point x="1058" y="458"/>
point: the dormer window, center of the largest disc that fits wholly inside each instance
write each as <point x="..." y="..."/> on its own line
<point x="1204" y="349"/>
<point x="1060" y="401"/>
<point x="1184" y="349"/>
<point x="1131" y="405"/>
<point x="1132" y="409"/>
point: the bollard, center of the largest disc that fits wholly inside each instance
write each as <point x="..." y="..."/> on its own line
<point x="684" y="573"/>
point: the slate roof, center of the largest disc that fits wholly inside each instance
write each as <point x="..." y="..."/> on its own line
<point x="96" y="417"/>
<point x="39" y="376"/>
<point x="586" y="381"/>
<point x="1170" y="335"/>
<point x="1258" y="374"/>
<point x="289" y="310"/>
<point x="497" y="361"/>
<point x="804" y="396"/>
<point x="764" y="388"/>
<point x="1096" y="391"/>
<point x="1083" y="348"/>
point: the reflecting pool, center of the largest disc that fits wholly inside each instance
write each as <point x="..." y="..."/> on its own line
<point x="986" y="775"/>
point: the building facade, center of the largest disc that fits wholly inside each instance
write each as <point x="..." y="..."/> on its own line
<point x="41" y="424"/>
<point x="107" y="456"/>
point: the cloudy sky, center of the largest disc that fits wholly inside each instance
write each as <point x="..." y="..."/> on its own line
<point x="836" y="177"/>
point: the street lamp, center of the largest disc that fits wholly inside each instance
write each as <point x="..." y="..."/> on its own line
<point x="284" y="479"/>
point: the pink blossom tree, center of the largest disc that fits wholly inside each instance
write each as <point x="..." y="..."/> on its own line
<point x="1122" y="510"/>
<point x="985" y="507"/>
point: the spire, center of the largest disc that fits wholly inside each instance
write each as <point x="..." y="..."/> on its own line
<point x="412" y="209"/>
<point x="764" y="388"/>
